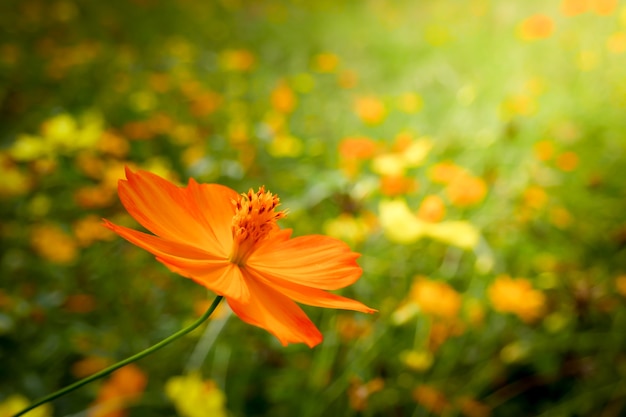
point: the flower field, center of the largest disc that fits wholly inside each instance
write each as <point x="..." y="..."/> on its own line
<point x="472" y="152"/>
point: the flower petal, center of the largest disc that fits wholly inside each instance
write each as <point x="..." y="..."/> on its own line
<point x="213" y="204"/>
<point x="313" y="261"/>
<point x="223" y="278"/>
<point x="399" y="224"/>
<point x="171" y="212"/>
<point x="277" y="314"/>
<point x="161" y="247"/>
<point x="311" y="296"/>
<point x="215" y="273"/>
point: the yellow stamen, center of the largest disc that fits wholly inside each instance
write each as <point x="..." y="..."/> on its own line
<point x="254" y="220"/>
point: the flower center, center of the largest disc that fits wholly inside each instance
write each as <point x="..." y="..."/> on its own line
<point x="253" y="222"/>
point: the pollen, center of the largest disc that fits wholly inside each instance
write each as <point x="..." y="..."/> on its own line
<point x="254" y="220"/>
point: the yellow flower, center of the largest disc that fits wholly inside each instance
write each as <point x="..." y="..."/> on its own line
<point x="285" y="146"/>
<point x="416" y="151"/>
<point x="29" y="148"/>
<point x="400" y="225"/>
<point x="14" y="181"/>
<point x="517" y="296"/>
<point x="325" y="62"/>
<point x="455" y="232"/>
<point x="389" y="164"/>
<point x="417" y="360"/>
<point x="412" y="153"/>
<point x="16" y="403"/>
<point x="410" y="103"/>
<point x="616" y="43"/>
<point x="518" y="105"/>
<point x="59" y="134"/>
<point x="347" y="227"/>
<point x="64" y="132"/>
<point x="195" y="397"/>
<point x="474" y="312"/>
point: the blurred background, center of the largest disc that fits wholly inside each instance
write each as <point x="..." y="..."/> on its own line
<point x="472" y="151"/>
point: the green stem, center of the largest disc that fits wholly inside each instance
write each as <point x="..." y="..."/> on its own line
<point x="126" y="361"/>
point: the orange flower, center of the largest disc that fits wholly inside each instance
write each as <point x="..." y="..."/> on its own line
<point x="123" y="387"/>
<point x="436" y="298"/>
<point x="466" y="190"/>
<point x="620" y="284"/>
<point x="89" y="365"/>
<point x="616" y="43"/>
<point x="604" y="7"/>
<point x="432" y="209"/>
<point x="574" y="7"/>
<point x="538" y="26"/>
<point x="472" y="408"/>
<point x="205" y="103"/>
<point x="357" y="147"/>
<point x="347" y="79"/>
<point x="517" y="296"/>
<point x="370" y="110"/>
<point x="237" y="60"/>
<point x="232" y="245"/>
<point x="445" y="172"/>
<point x="567" y="161"/>
<point x="431" y="399"/>
<point x="325" y="62"/>
<point x="80" y="303"/>
<point x="392" y="185"/>
<point x="53" y="244"/>
<point x="283" y="98"/>
<point x="544" y="150"/>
